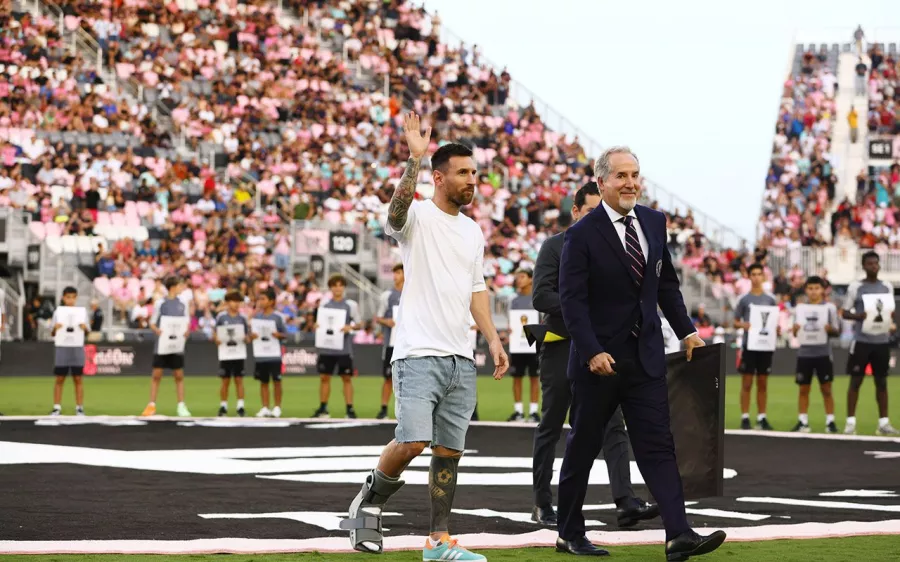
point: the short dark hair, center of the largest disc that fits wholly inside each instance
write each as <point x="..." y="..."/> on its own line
<point x="398" y="267"/>
<point x="442" y="156"/>
<point x="526" y="271"/>
<point x="814" y="280"/>
<point x="870" y="254"/>
<point x="754" y="267"/>
<point x="70" y="291"/>
<point x="335" y="279"/>
<point x="170" y="282"/>
<point x="234" y="296"/>
<point x="269" y="293"/>
<point x="590" y="188"/>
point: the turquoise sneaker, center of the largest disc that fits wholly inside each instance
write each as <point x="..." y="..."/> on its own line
<point x="448" y="549"/>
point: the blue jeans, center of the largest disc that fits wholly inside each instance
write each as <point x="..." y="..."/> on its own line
<point x="434" y="400"/>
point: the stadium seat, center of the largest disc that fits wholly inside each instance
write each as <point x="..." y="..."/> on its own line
<point x="101" y="285"/>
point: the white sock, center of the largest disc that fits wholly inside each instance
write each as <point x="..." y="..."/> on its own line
<point x="804" y="419"/>
<point x="745" y="416"/>
<point x="181" y="404"/>
<point x="851" y="420"/>
<point x="518" y="408"/>
<point x="57" y="407"/>
<point x="883" y="421"/>
<point x="760" y="417"/>
<point x="151" y="403"/>
<point x="224" y="403"/>
<point x="532" y="409"/>
<point x="829" y="418"/>
<point x="240" y="403"/>
<point x="433" y="543"/>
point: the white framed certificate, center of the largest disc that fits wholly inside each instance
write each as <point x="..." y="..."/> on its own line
<point x="518" y="318"/>
<point x="71" y="334"/>
<point x="266" y="344"/>
<point x="329" y="334"/>
<point x="763" y="332"/>
<point x="813" y="320"/>
<point x="172" y="334"/>
<point x="232" y="342"/>
<point x="879" y="310"/>
<point x="395" y="316"/>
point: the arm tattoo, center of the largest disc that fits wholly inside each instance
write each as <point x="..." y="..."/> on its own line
<point x="442" y="486"/>
<point x="403" y="194"/>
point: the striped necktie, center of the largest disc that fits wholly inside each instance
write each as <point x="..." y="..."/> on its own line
<point x="636" y="259"/>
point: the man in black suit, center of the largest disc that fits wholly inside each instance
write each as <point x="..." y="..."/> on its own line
<point x="554" y="359"/>
<point x="615" y="270"/>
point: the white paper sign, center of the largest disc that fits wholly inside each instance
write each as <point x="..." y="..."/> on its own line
<point x="879" y="310"/>
<point x="670" y="340"/>
<point x="763" y="333"/>
<point x="395" y="316"/>
<point x="812" y="319"/>
<point x="329" y="334"/>
<point x="71" y="334"/>
<point x="232" y="342"/>
<point x="265" y="345"/>
<point x="172" y="334"/>
<point x="518" y="343"/>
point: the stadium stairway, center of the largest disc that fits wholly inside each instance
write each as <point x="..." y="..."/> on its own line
<point x="850" y="157"/>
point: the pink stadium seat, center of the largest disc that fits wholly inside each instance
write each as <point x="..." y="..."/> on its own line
<point x="118" y="219"/>
<point x="101" y="284"/>
<point x="116" y="283"/>
<point x="148" y="285"/>
<point x="37" y="229"/>
<point x="130" y="208"/>
<point x="133" y="285"/>
<point x="132" y="221"/>
<point x="53" y="229"/>
<point x="103" y="218"/>
<point x="143" y="208"/>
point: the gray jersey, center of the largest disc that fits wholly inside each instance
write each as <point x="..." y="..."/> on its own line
<point x="742" y="310"/>
<point x="823" y="350"/>
<point x="352" y="310"/>
<point x="854" y="303"/>
<point x="225" y="319"/>
<point x="68" y="356"/>
<point x="168" y="307"/>
<point x="389" y="300"/>
<point x="279" y="327"/>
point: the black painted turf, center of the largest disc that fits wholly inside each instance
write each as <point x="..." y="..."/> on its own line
<point x="73" y="502"/>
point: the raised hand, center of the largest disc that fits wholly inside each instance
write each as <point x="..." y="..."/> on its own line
<point x="415" y="139"/>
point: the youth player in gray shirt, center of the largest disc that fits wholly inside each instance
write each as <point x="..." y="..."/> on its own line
<point x="234" y="369"/>
<point x="758" y="363"/>
<point x="170" y="306"/>
<point x="524" y="363"/>
<point x="390" y="300"/>
<point x="869" y="348"/>
<point x="269" y="368"/>
<point x="331" y="360"/>
<point x="816" y="358"/>
<point x="68" y="360"/>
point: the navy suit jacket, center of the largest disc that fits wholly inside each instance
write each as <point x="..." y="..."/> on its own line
<point x="601" y="301"/>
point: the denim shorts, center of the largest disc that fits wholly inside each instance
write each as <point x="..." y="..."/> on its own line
<point x="434" y="400"/>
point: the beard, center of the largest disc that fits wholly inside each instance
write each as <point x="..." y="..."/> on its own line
<point x="463" y="199"/>
<point x="627" y="204"/>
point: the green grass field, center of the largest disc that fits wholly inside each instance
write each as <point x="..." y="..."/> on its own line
<point x="870" y="549"/>
<point x="129" y="395"/>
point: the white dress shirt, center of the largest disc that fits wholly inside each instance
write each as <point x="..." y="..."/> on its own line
<point x="619" y="225"/>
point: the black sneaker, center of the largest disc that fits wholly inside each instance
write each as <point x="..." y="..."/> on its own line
<point x="745" y="423"/>
<point x="535" y="417"/>
<point x="764" y="425"/>
<point x="321" y="413"/>
<point x="351" y="413"/>
<point x="802" y="427"/>
<point x="382" y="414"/>
<point x="515" y="417"/>
<point x="831" y="427"/>
<point x="223" y="411"/>
<point x="241" y="412"/>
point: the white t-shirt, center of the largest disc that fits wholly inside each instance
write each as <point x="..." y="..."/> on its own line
<point x="442" y="261"/>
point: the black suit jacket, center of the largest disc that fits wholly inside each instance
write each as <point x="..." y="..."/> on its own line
<point x="601" y="301"/>
<point x="545" y="292"/>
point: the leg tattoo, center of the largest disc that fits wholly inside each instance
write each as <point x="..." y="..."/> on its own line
<point x="442" y="486"/>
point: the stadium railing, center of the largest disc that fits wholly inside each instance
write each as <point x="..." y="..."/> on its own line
<point x="840" y="264"/>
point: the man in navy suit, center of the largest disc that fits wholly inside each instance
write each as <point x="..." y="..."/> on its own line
<point x="614" y="270"/>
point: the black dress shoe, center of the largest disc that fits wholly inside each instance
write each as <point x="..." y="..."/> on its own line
<point x="544" y="516"/>
<point x="634" y="511"/>
<point x="581" y="547"/>
<point x="690" y="544"/>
